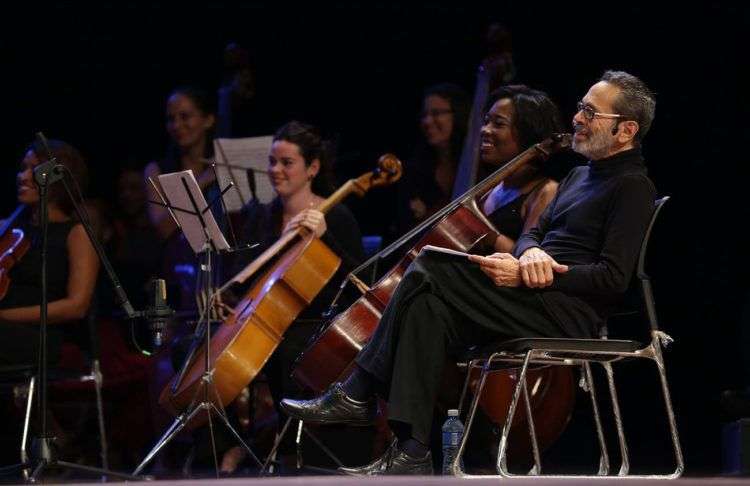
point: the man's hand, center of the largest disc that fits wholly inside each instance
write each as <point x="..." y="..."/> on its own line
<point x="537" y="268"/>
<point x="502" y="268"/>
<point x="311" y="219"/>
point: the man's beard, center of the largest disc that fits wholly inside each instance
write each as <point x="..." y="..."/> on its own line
<point x="595" y="147"/>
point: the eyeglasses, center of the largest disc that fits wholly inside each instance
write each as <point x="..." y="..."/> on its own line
<point x="590" y="114"/>
<point x="435" y="113"/>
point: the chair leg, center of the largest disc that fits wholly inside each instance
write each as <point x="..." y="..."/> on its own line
<point x="537" y="469"/>
<point x="298" y="443"/>
<point x="26" y="422"/>
<point x="457" y="461"/>
<point x="502" y="466"/>
<point x="469" y="366"/>
<point x="625" y="463"/>
<point x="272" y="453"/>
<point x="603" y="454"/>
<point x="659" y="360"/>
<point x="97" y="374"/>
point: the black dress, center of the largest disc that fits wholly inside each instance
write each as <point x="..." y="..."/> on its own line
<point x="19" y="343"/>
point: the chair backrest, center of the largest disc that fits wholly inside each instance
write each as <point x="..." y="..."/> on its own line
<point x="639" y="295"/>
<point x="643" y="278"/>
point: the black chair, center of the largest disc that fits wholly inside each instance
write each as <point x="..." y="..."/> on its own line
<point x="23" y="381"/>
<point x="577" y="352"/>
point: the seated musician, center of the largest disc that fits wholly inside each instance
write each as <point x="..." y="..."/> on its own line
<point x="299" y="168"/>
<point x="72" y="264"/>
<point x="518" y="117"/>
<point x="558" y="282"/>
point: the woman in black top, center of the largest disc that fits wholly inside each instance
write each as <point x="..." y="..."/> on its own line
<point x="517" y="118"/>
<point x="299" y="170"/>
<point x="72" y="264"/>
<point x="190" y="123"/>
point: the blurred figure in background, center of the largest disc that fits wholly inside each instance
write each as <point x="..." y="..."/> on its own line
<point x="429" y="175"/>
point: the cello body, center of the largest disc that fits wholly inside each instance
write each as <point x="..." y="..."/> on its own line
<point x="246" y="340"/>
<point x="330" y="356"/>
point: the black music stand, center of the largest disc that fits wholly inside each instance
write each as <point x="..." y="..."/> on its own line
<point x="181" y="190"/>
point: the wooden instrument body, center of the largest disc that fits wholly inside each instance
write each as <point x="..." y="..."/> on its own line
<point x="245" y="341"/>
<point x="333" y="351"/>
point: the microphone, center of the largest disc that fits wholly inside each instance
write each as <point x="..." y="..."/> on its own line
<point x="157" y="312"/>
<point x="48" y="172"/>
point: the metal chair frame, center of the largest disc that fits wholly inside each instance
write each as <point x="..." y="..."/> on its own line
<point x="578" y="352"/>
<point x="95" y="377"/>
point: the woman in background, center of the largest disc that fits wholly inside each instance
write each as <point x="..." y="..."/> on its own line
<point x="428" y="178"/>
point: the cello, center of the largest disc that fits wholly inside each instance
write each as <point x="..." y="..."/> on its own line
<point x="292" y="272"/>
<point x="13" y="246"/>
<point x="460" y="226"/>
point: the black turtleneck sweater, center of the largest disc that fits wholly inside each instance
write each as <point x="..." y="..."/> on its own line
<point x="595" y="225"/>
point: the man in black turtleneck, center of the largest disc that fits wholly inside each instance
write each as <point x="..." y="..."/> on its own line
<point x="562" y="278"/>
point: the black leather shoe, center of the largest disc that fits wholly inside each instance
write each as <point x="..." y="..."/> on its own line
<point x="333" y="407"/>
<point x="394" y="462"/>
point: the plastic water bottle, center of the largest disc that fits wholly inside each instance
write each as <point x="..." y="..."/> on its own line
<point x="453" y="433"/>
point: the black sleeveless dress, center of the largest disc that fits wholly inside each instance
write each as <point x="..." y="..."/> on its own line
<point x="19" y="342"/>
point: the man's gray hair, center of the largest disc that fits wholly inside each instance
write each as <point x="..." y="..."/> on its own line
<point x="635" y="102"/>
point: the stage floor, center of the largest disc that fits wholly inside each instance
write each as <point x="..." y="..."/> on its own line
<point x="438" y="481"/>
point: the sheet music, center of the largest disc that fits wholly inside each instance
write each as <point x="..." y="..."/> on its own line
<point x="175" y="194"/>
<point x="250" y="153"/>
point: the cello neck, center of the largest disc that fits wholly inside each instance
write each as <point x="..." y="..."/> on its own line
<point x="347" y="188"/>
<point x="388" y="171"/>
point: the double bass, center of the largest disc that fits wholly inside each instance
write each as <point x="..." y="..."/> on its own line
<point x="292" y="272"/>
<point x="460" y="226"/>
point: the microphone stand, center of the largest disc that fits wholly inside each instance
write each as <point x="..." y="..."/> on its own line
<point x="46" y="174"/>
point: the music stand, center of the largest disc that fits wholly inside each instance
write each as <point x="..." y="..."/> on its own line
<point x="180" y="190"/>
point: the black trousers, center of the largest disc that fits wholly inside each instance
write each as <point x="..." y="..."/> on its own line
<point x="443" y="302"/>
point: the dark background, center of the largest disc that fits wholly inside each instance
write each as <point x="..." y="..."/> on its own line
<point x="97" y="76"/>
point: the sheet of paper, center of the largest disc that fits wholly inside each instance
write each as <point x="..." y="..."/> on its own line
<point x="447" y="251"/>
<point x="234" y="156"/>
<point x="174" y="191"/>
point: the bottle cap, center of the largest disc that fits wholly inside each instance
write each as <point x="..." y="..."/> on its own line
<point x="453" y="412"/>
